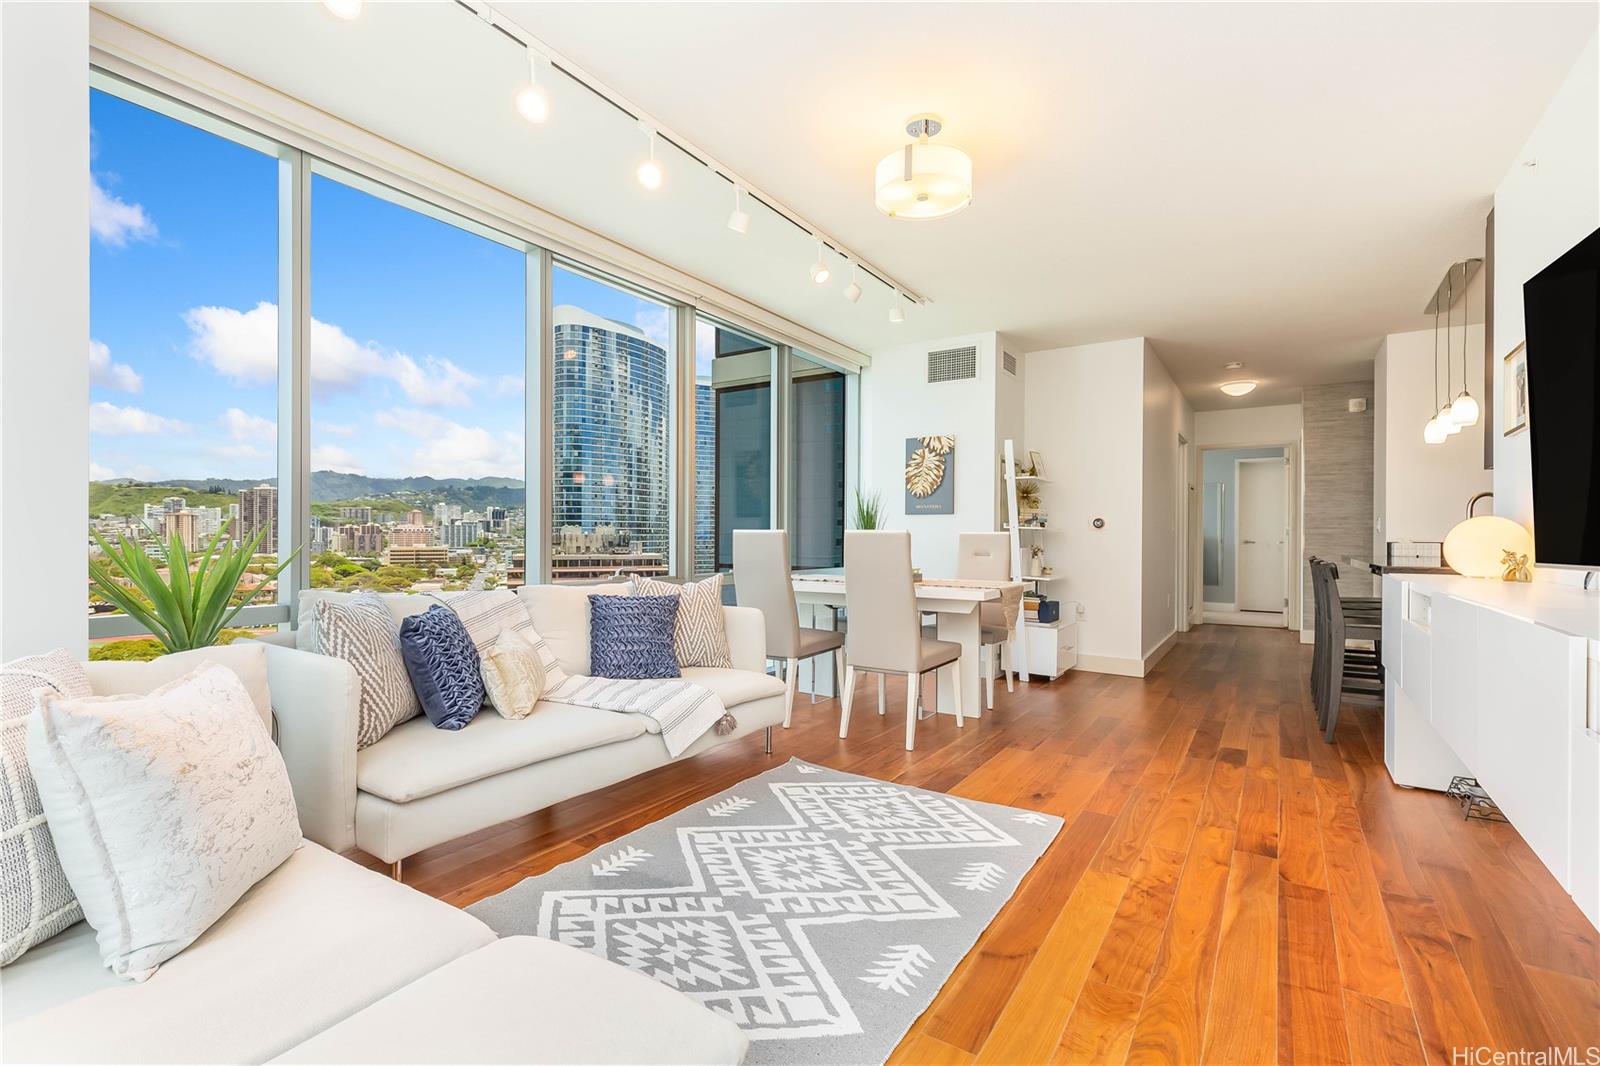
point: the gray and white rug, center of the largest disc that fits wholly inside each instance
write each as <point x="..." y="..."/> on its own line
<point x="819" y="910"/>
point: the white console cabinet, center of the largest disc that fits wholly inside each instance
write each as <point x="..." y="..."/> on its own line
<point x="1500" y="682"/>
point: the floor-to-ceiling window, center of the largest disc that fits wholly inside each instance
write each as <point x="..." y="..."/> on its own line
<point x="816" y="464"/>
<point x="733" y="440"/>
<point x="418" y="349"/>
<point x="183" y="345"/>
<point x="611" y="378"/>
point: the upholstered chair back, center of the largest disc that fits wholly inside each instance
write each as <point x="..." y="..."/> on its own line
<point x="885" y="630"/>
<point x="761" y="580"/>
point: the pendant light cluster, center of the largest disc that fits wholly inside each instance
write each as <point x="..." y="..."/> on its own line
<point x="1461" y="411"/>
<point x="533" y="103"/>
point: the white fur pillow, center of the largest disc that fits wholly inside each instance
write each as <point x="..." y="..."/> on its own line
<point x="164" y="809"/>
<point x="513" y="674"/>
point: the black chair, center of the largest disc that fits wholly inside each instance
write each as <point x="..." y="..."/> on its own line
<point x="1339" y="671"/>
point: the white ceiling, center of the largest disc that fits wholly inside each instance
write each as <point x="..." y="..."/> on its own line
<point x="1280" y="184"/>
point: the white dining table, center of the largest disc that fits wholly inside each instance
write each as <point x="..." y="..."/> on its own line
<point x="957" y="609"/>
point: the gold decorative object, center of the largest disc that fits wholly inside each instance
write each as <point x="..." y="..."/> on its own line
<point x="1516" y="567"/>
<point x="925" y="469"/>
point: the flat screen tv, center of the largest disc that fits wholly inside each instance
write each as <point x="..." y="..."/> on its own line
<point x="1561" y="308"/>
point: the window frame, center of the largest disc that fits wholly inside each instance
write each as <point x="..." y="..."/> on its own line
<point x="297" y="164"/>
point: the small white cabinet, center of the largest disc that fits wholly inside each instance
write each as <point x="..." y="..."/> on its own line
<point x="1052" y="648"/>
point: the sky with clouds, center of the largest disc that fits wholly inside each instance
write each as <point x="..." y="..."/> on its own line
<point x="417" y="337"/>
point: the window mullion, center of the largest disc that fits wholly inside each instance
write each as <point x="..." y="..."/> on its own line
<point x="294" y="376"/>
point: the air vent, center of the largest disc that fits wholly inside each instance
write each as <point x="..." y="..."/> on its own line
<point x="952" y="364"/>
<point x="1009" y="363"/>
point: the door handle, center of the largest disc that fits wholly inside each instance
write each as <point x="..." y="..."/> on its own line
<point x="1247" y="542"/>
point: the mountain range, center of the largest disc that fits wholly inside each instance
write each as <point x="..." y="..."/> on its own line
<point x="327" y="486"/>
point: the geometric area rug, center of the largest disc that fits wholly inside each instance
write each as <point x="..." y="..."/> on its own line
<point x="819" y="910"/>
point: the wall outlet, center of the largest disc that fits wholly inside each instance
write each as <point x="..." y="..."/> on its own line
<point x="1078" y="610"/>
<point x="1358" y="405"/>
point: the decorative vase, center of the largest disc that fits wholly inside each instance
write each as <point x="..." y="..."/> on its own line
<point x="1035" y="567"/>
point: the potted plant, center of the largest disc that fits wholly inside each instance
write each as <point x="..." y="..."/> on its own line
<point x="1035" y="560"/>
<point x="189" y="606"/>
<point x="869" y="510"/>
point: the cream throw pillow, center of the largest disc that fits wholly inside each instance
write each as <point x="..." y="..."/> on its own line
<point x="513" y="674"/>
<point x="164" y="809"/>
<point x="699" y="634"/>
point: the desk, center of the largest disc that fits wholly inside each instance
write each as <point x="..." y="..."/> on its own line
<point x="957" y="608"/>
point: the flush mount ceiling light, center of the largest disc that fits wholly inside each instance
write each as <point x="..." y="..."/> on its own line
<point x="533" y="103"/>
<point x="1238" y="388"/>
<point x="349" y="10"/>
<point x="852" y="291"/>
<point x="738" y="220"/>
<point x="819" y="270"/>
<point x="650" y="170"/>
<point x="923" y="180"/>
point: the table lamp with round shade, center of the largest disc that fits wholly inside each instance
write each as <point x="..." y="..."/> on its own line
<point x="1475" y="547"/>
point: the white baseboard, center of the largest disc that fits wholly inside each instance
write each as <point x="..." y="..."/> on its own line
<point x="1160" y="652"/>
<point x="1219" y="608"/>
<point x="1308" y="636"/>
<point x="1265" y="619"/>
<point x="1110" y="664"/>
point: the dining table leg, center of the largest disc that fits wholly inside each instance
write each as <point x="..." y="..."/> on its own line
<point x="961" y="627"/>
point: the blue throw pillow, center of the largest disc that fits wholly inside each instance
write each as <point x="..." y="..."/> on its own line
<point x="631" y="636"/>
<point x="443" y="664"/>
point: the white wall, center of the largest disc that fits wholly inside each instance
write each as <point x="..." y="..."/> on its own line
<point x="1540" y="212"/>
<point x="1084" y="414"/>
<point x="897" y="402"/>
<point x="1420" y="491"/>
<point x="1165" y="415"/>
<point x="44" y="327"/>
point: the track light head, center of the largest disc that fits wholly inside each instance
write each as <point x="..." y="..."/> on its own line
<point x="852" y="291"/>
<point x="349" y="10"/>
<point x="896" y="314"/>
<point x="533" y="103"/>
<point x="819" y="270"/>
<point x="649" y="172"/>
<point x="738" y="220"/>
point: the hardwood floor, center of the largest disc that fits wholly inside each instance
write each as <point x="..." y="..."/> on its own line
<point x="1227" y="888"/>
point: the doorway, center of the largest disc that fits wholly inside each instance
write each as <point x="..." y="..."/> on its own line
<point x="1247" y="535"/>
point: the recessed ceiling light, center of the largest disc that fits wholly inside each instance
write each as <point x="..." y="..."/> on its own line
<point x="1238" y="388"/>
<point x="345" y="9"/>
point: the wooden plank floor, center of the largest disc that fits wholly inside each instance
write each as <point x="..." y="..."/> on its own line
<point x="1227" y="888"/>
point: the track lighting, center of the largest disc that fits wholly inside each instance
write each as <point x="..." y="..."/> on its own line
<point x="852" y="291"/>
<point x="896" y="315"/>
<point x="533" y="103"/>
<point x="349" y="10"/>
<point x="650" y="170"/>
<point x="738" y="220"/>
<point x="819" y="270"/>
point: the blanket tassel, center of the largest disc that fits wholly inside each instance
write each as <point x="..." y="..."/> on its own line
<point x="726" y="724"/>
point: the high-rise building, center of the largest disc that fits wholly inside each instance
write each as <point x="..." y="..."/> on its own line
<point x="497" y="519"/>
<point x="407" y="535"/>
<point x="427" y="556"/>
<point x="705" y="477"/>
<point x="358" y="515"/>
<point x="365" y="539"/>
<point x="415" y="517"/>
<point x="462" y="533"/>
<point x="258" y="510"/>
<point x="611" y="394"/>
<point x="184" y="525"/>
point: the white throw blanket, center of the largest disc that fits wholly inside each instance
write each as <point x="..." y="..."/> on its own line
<point x="683" y="709"/>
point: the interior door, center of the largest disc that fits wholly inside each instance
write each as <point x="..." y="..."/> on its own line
<point x="1263" y="533"/>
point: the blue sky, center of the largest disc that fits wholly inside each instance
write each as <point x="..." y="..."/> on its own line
<point x="418" y="326"/>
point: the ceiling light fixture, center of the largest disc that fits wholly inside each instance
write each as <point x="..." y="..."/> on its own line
<point x="896" y="314"/>
<point x="533" y="103"/>
<point x="923" y="180"/>
<point x="738" y="220"/>
<point x="1432" y="431"/>
<point x="852" y="291"/>
<point x="1464" y="409"/>
<point x="819" y="270"/>
<point x="1238" y="388"/>
<point x="1233" y="366"/>
<point x="650" y="170"/>
<point x="349" y="10"/>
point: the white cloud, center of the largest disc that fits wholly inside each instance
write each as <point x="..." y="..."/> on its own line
<point x="110" y="420"/>
<point x="241" y="451"/>
<point x="333" y="457"/>
<point x="101" y="473"/>
<point x="116" y="222"/>
<point x="449" y="449"/>
<point x="654" y="323"/>
<point x="510" y="385"/>
<point x="242" y="426"/>
<point x="243" y="346"/>
<point x="103" y="372"/>
<point x="335" y="429"/>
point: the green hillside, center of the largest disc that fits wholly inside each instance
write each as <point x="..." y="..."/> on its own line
<point x="121" y="498"/>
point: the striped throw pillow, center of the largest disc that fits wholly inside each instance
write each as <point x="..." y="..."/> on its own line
<point x="699" y="637"/>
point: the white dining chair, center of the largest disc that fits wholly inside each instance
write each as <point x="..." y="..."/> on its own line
<point x="885" y="634"/>
<point x="761" y="580"/>
<point x="987" y="557"/>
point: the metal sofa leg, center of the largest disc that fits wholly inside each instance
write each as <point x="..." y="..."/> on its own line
<point x="768" y="732"/>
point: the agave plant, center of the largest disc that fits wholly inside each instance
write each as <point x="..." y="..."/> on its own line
<point x="869" y="509"/>
<point x="184" y="610"/>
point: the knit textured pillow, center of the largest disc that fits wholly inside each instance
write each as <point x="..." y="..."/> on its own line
<point x="443" y="665"/>
<point x="38" y="901"/>
<point x="361" y="631"/>
<point x="699" y="637"/>
<point x="631" y="636"/>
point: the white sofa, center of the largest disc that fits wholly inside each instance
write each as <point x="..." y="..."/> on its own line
<point x="326" y="961"/>
<point x="420" y="786"/>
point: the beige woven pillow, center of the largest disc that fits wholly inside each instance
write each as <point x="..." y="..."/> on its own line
<point x="513" y="674"/>
<point x="699" y="636"/>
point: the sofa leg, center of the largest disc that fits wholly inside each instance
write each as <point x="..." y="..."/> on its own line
<point x="394" y="870"/>
<point x="768" y="732"/>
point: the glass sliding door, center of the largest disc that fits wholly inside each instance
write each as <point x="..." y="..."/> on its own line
<point x="815" y="517"/>
<point x="733" y="440"/>
<point x="612" y="378"/>
<point x="418" y="351"/>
